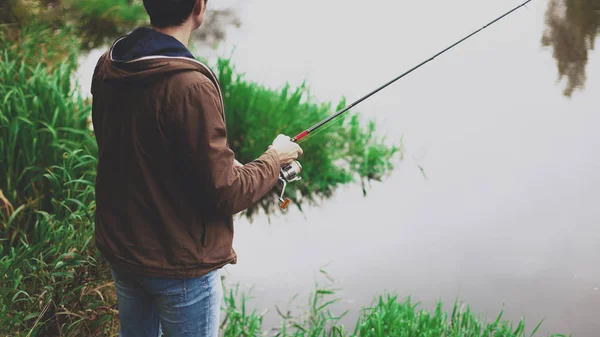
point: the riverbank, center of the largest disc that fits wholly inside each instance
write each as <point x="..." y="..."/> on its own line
<point x="507" y="217"/>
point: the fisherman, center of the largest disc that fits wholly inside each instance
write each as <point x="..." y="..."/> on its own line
<point x="168" y="184"/>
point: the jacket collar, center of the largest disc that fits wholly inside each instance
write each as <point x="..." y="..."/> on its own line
<point x="143" y="42"/>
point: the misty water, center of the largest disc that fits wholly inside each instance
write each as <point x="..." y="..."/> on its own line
<point x="507" y="212"/>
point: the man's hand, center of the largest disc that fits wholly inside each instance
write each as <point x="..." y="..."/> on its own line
<point x="287" y="151"/>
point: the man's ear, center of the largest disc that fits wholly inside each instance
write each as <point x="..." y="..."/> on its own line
<point x="199" y="7"/>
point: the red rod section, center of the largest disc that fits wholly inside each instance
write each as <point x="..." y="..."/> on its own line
<point x="300" y="136"/>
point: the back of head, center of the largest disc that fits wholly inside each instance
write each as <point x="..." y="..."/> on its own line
<point x="169" y="13"/>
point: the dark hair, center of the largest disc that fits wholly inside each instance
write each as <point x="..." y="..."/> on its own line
<point x="169" y="13"/>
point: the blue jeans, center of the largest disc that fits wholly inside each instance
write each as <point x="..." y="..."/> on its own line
<point x="150" y="306"/>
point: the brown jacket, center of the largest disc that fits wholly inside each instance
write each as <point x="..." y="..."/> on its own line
<point x="166" y="187"/>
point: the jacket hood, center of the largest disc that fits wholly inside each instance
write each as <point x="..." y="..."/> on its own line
<point x="144" y="42"/>
<point x="145" y="55"/>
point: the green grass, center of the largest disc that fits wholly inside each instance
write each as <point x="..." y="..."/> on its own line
<point x="387" y="316"/>
<point x="51" y="270"/>
<point x="47" y="158"/>
<point x="42" y="121"/>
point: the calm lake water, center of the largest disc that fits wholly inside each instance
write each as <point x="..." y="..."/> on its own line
<point x="508" y="214"/>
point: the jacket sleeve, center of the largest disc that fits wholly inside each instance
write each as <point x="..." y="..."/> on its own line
<point x="202" y="135"/>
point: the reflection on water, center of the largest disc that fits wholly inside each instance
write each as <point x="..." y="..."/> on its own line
<point x="572" y="29"/>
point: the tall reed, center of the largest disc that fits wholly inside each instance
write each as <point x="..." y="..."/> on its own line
<point x="50" y="269"/>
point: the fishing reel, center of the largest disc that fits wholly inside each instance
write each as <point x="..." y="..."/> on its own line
<point x="288" y="174"/>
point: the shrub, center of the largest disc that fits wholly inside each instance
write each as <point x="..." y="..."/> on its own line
<point x="334" y="155"/>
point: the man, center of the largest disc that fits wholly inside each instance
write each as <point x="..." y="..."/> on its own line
<point x="168" y="185"/>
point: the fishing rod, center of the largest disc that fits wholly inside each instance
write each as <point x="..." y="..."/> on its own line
<point x="291" y="172"/>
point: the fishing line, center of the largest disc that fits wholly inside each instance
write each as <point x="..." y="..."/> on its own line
<point x="337" y="114"/>
<point x="291" y="172"/>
